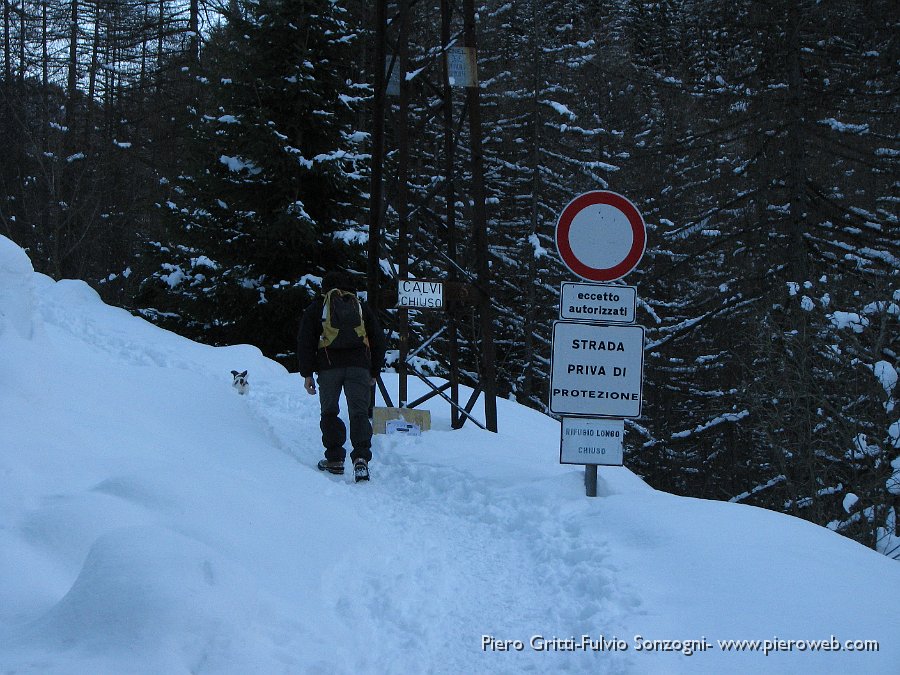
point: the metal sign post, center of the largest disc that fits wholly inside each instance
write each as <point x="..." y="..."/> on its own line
<point x="596" y="369"/>
<point x="399" y="205"/>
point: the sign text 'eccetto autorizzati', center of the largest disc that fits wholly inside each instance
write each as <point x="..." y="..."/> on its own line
<point x="597" y="302"/>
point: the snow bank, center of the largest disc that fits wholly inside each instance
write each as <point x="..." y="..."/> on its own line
<point x="149" y="600"/>
<point x="16" y="293"/>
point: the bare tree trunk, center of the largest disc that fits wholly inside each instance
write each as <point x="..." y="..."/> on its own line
<point x="195" y="31"/>
<point x="795" y="121"/>
<point x="402" y="204"/>
<point x="531" y="296"/>
<point x="804" y="404"/>
<point x="73" y="63"/>
<point x="7" y="42"/>
<point x="23" y="38"/>
<point x="142" y="82"/>
<point x="45" y="49"/>
<point x="110" y="70"/>
<point x="160" y="26"/>
<point x="92" y="74"/>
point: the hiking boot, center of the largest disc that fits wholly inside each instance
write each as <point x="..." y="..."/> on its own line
<point x="360" y="470"/>
<point x="331" y="467"/>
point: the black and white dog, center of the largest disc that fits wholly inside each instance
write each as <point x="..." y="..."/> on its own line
<point x="240" y="382"/>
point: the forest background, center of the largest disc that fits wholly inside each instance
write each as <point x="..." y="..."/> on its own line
<point x="203" y="163"/>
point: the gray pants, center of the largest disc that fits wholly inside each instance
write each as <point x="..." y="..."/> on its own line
<point x="356" y="385"/>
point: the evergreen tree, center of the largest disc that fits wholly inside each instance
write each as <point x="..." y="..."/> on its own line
<point x="267" y="197"/>
<point x="546" y="143"/>
<point x="779" y="203"/>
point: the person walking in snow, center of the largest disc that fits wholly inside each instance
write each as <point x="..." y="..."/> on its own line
<point x="341" y="341"/>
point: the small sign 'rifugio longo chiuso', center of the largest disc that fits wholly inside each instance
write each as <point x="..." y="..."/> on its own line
<point x="587" y="440"/>
<point x="420" y="294"/>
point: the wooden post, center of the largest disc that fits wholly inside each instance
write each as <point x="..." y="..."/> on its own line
<point x="456" y="419"/>
<point x="402" y="205"/>
<point x="488" y="354"/>
<point x="376" y="195"/>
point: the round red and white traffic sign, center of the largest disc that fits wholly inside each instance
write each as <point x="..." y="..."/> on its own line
<point x="601" y="236"/>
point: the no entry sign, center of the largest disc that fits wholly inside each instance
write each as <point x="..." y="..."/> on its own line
<point x="601" y="236"/>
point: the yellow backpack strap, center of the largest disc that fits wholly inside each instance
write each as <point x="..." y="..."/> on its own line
<point x="329" y="332"/>
<point x="361" y="328"/>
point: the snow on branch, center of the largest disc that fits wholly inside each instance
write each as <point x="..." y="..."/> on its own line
<point x="237" y="164"/>
<point x="561" y="109"/>
<point x="759" y="488"/>
<point x="844" y="127"/>
<point x="721" y="419"/>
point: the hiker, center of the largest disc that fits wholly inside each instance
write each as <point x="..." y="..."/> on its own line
<point x="341" y="341"/>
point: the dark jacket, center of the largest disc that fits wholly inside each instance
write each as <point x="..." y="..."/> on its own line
<point x="312" y="359"/>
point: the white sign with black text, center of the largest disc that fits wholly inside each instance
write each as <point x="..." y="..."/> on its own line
<point x="596" y="370"/>
<point x="462" y="67"/>
<point x="418" y="294"/>
<point x="587" y="440"/>
<point x="402" y="427"/>
<point x="604" y="303"/>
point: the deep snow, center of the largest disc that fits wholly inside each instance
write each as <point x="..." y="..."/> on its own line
<point x="154" y="521"/>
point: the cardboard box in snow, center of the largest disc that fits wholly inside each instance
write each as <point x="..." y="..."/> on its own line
<point x="403" y="420"/>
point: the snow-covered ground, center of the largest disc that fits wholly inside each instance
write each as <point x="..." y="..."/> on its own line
<point x="152" y="520"/>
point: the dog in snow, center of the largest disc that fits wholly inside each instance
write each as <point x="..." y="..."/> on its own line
<point x="240" y="382"/>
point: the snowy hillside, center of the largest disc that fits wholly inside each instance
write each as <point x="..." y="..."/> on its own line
<point x="152" y="520"/>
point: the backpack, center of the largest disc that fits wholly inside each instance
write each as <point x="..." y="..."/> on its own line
<point x="342" y="321"/>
